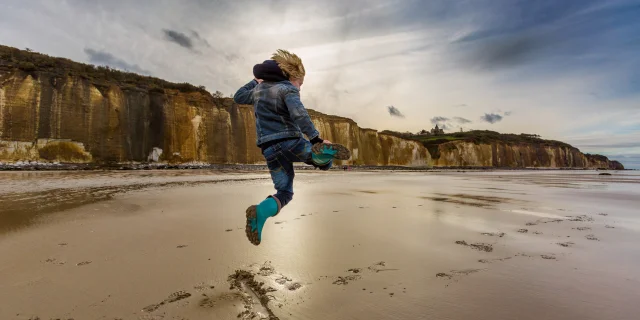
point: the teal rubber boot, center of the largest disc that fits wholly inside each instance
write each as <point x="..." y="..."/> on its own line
<point x="325" y="156"/>
<point x="323" y="153"/>
<point x="257" y="216"/>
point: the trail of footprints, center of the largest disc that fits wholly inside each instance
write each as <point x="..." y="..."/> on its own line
<point x="453" y="275"/>
<point x="248" y="286"/>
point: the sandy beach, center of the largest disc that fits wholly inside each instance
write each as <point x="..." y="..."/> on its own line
<point x="351" y="245"/>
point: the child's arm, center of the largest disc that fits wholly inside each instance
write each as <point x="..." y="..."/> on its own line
<point x="244" y="95"/>
<point x="300" y="116"/>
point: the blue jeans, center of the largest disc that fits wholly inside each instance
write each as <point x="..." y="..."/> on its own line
<point x="280" y="158"/>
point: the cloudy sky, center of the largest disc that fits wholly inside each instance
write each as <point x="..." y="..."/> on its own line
<point x="568" y="70"/>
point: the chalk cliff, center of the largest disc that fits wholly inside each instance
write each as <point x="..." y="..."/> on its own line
<point x="115" y="124"/>
<point x="55" y="109"/>
<point x="526" y="155"/>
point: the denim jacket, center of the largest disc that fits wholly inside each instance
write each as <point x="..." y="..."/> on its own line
<point x="278" y="110"/>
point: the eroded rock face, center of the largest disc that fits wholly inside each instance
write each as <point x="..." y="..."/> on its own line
<point x="118" y="124"/>
<point x="91" y="121"/>
<point x="497" y="154"/>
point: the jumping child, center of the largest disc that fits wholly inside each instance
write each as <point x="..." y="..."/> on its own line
<point x="281" y="123"/>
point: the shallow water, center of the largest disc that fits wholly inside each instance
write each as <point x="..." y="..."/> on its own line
<point x="351" y="245"/>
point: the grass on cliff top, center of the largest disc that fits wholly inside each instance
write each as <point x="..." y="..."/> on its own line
<point x="480" y="137"/>
<point x="31" y="62"/>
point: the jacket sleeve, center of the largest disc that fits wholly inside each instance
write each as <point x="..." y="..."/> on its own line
<point x="299" y="114"/>
<point x="244" y="95"/>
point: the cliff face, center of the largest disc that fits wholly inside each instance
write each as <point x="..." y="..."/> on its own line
<point x="55" y="109"/>
<point x="116" y="124"/>
<point x="496" y="154"/>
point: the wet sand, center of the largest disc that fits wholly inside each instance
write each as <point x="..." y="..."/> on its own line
<point x="351" y="245"/>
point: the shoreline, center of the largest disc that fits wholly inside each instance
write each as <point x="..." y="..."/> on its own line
<point x="39" y="166"/>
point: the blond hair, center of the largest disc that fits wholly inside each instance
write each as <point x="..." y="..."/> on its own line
<point x="290" y="64"/>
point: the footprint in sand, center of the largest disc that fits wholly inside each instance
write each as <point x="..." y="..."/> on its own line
<point x="245" y="283"/>
<point x="523" y="230"/>
<point x="181" y="246"/>
<point x="266" y="269"/>
<point x="477" y="246"/>
<point x="591" y="237"/>
<point x="294" y="286"/>
<point x="379" y="267"/>
<point x="609" y="227"/>
<point x="176" y="296"/>
<point x="83" y="263"/>
<point x="565" y="244"/>
<point x="211" y="301"/>
<point x="357" y="273"/>
<point x="54" y="261"/>
<point x="547" y="257"/>
<point x="345" y="280"/>
<point x="203" y="286"/>
<point x="581" y="218"/>
<point x="283" y="279"/>
<point x="492" y="260"/>
<point x="454" y="275"/>
<point x="493" y="234"/>
<point x="228" y="230"/>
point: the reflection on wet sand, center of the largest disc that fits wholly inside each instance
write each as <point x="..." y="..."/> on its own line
<point x="22" y="209"/>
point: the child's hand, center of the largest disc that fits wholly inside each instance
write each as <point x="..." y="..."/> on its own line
<point x="326" y="141"/>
